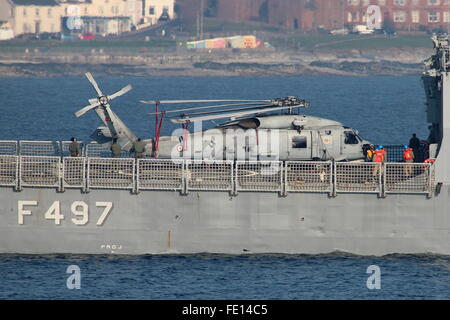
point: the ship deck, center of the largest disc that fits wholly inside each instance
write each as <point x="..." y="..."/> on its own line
<point x="27" y="164"/>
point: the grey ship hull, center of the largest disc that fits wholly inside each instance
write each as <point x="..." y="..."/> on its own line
<point x="252" y="222"/>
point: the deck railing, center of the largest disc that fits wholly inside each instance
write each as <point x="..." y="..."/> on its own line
<point x="37" y="164"/>
<point x="184" y="176"/>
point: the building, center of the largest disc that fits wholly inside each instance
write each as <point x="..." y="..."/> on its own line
<point x="31" y="16"/>
<point x="155" y="10"/>
<point x="310" y="15"/>
<point x="407" y="15"/>
<point x="242" y="10"/>
<point x="6" y="32"/>
<point x="100" y="17"/>
<point x="306" y="15"/>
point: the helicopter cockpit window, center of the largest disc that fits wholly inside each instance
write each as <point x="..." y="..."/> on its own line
<point x="299" y="142"/>
<point x="350" y="138"/>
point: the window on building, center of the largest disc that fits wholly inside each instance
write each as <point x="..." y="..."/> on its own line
<point x="299" y="142"/>
<point x="37" y="11"/>
<point x="434" y="2"/>
<point x="365" y="2"/>
<point x="152" y="10"/>
<point x="417" y="2"/>
<point x="26" y="28"/>
<point x="415" y="16"/>
<point x="433" y="16"/>
<point x="353" y="2"/>
<point x="399" y="16"/>
<point x="49" y="12"/>
<point x="446" y="16"/>
<point x="349" y="17"/>
<point x="24" y="12"/>
<point x="381" y="2"/>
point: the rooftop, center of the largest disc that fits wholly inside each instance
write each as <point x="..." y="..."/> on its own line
<point x="35" y="2"/>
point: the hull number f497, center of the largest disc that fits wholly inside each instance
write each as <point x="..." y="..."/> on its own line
<point x="79" y="209"/>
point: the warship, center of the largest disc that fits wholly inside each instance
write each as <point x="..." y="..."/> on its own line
<point x="281" y="183"/>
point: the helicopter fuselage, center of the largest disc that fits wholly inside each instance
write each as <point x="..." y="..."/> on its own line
<point x="279" y="137"/>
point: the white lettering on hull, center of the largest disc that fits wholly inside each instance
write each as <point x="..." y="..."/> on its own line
<point x="79" y="209"/>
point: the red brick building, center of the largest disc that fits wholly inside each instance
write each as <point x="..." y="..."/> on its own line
<point x="406" y="14"/>
<point x="189" y="10"/>
<point x="310" y="15"/>
<point x="307" y="15"/>
<point x="241" y="10"/>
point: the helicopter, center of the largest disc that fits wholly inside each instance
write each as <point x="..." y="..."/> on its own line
<point x="251" y="130"/>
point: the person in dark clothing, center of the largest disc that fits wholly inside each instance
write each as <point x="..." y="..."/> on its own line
<point x="139" y="148"/>
<point x="74" y="148"/>
<point x="116" y="149"/>
<point x="414" y="143"/>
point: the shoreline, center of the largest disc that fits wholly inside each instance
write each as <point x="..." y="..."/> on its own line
<point x="214" y="64"/>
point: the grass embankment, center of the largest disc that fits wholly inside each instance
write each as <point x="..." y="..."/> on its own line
<point x="353" y="41"/>
<point x="85" y="46"/>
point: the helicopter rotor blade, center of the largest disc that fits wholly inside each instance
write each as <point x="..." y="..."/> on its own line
<point x="209" y="107"/>
<point x="199" y="101"/>
<point x="120" y="92"/>
<point x="256" y="108"/>
<point x="80" y="112"/>
<point x="92" y="101"/>
<point x="94" y="83"/>
<point x="228" y="115"/>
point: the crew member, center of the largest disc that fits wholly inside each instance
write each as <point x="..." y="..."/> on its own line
<point x="370" y="153"/>
<point x="139" y="148"/>
<point x="116" y="149"/>
<point x="74" y="148"/>
<point x="379" y="157"/>
<point x="414" y="143"/>
<point x="408" y="157"/>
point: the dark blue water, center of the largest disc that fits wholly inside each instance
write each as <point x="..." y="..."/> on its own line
<point x="384" y="109"/>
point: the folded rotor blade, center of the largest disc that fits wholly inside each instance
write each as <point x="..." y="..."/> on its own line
<point x="120" y="92"/>
<point x="199" y="101"/>
<point x="257" y="108"/>
<point x="210" y="107"/>
<point x="79" y="113"/>
<point x="227" y="115"/>
<point x="94" y="83"/>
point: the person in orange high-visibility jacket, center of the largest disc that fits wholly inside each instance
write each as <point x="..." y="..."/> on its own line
<point x="379" y="157"/>
<point x="408" y="157"/>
